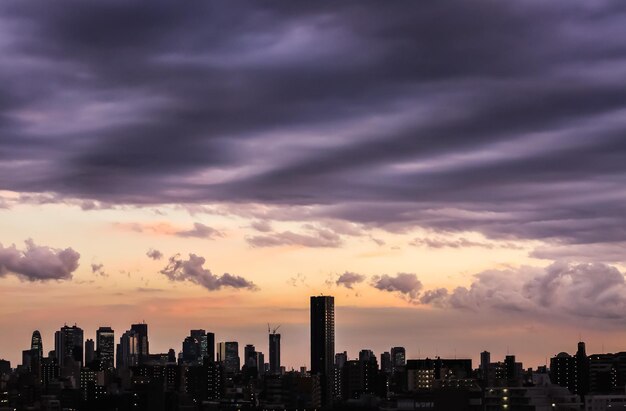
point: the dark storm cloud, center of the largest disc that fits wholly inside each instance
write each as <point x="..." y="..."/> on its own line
<point x="38" y="263"/>
<point x="505" y="118"/>
<point x="193" y="270"/>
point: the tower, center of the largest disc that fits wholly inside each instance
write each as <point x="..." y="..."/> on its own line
<point x="36" y="343"/>
<point x="105" y="347"/>
<point x="323" y="343"/>
<point x="274" y="352"/>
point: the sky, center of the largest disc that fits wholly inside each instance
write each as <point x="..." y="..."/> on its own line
<point x="452" y="172"/>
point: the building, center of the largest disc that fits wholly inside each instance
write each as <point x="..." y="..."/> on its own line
<point x="274" y="340"/>
<point x="485" y="360"/>
<point x="143" y="346"/>
<point x="36" y="343"/>
<point x="323" y="344"/>
<point x="105" y="348"/>
<point x="398" y="358"/>
<point x="128" y="350"/>
<point x="68" y="345"/>
<point x="228" y="356"/>
<point x="90" y="351"/>
<point x="573" y="372"/>
<point x="385" y="362"/>
<point x="249" y="356"/>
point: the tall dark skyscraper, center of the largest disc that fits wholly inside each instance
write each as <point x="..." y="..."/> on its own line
<point x="36" y="343"/>
<point x="323" y="343"/>
<point x="127" y="350"/>
<point x="228" y="355"/>
<point x="274" y="353"/>
<point x="210" y="346"/>
<point x="143" y="348"/>
<point x="249" y="356"/>
<point x="202" y="341"/>
<point x="68" y="344"/>
<point x="485" y="360"/>
<point x="105" y="347"/>
<point x="398" y="358"/>
<point x="90" y="351"/>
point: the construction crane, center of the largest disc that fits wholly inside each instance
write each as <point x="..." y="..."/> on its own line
<point x="270" y="331"/>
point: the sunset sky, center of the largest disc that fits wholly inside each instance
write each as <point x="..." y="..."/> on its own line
<point x="453" y="172"/>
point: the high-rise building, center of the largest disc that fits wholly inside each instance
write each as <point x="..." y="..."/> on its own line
<point x="323" y="344"/>
<point x="485" y="360"/>
<point x="582" y="370"/>
<point x="68" y="345"/>
<point x="202" y="343"/>
<point x="143" y="347"/>
<point x="228" y="355"/>
<point x="128" y="350"/>
<point x="90" y="351"/>
<point x="105" y="347"/>
<point x="274" y="353"/>
<point x="385" y="362"/>
<point x="398" y="358"/>
<point x="210" y="346"/>
<point x="260" y="363"/>
<point x="249" y="356"/>
<point x="36" y="343"/>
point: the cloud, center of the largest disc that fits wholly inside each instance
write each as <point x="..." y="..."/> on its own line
<point x="154" y="254"/>
<point x="38" y="263"/>
<point x="439" y="242"/>
<point x="406" y="284"/>
<point x="316" y="238"/>
<point x="349" y="279"/>
<point x="98" y="269"/>
<point x="593" y="290"/>
<point x="200" y="231"/>
<point x="192" y="270"/>
<point x="421" y="136"/>
<point x="263" y="226"/>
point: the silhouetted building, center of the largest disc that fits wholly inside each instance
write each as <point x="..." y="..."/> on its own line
<point x="143" y="347"/>
<point x="90" y="352"/>
<point x="249" y="356"/>
<point x="323" y="344"/>
<point x="485" y="360"/>
<point x="36" y="343"/>
<point x="260" y="363"/>
<point x="128" y="350"/>
<point x="274" y="352"/>
<point x="105" y="347"/>
<point x="398" y="358"/>
<point x="385" y="362"/>
<point x="68" y="345"/>
<point x="228" y="356"/>
<point x="573" y="371"/>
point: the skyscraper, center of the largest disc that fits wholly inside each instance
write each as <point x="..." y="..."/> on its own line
<point x="249" y="356"/>
<point x="90" y="351"/>
<point x="36" y="343"/>
<point x="202" y="341"/>
<point x="210" y="346"/>
<point x="398" y="358"/>
<point x="485" y="360"/>
<point x="128" y="350"/>
<point x="68" y="344"/>
<point x="228" y="355"/>
<point x="274" y="353"/>
<point x="323" y="343"/>
<point x="143" y="348"/>
<point x="105" y="347"/>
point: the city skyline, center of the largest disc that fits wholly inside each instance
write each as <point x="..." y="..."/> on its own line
<point x="452" y="173"/>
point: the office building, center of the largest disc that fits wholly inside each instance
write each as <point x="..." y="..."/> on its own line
<point x="323" y="344"/>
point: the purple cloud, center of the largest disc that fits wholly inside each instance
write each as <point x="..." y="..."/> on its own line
<point x="38" y="263"/>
